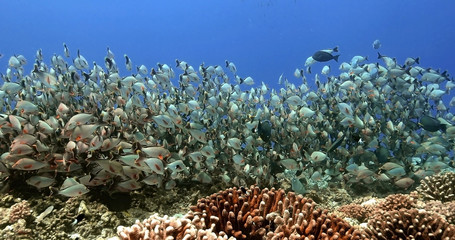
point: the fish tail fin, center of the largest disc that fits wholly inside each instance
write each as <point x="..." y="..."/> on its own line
<point x="335" y="49"/>
<point x="227" y="63"/>
<point x="417" y="60"/>
<point x="53" y="190"/>
<point x="336" y="57"/>
<point x="35" y="68"/>
<point x="380" y="56"/>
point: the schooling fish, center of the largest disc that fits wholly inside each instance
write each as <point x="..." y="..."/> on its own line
<point x="71" y="188"/>
<point x="66" y="50"/>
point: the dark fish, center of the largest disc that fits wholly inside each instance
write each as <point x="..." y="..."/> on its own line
<point x="336" y="144"/>
<point x="78" y="219"/>
<point x="323" y="56"/>
<point x="382" y="154"/>
<point x="431" y="124"/>
<point x="265" y="130"/>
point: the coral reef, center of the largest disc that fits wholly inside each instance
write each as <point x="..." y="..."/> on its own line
<point x="247" y="214"/>
<point x="354" y="210"/>
<point x="14" y="218"/>
<point x="444" y="209"/>
<point x="397" y="202"/>
<point x="409" y="224"/>
<point x="19" y="210"/>
<point x="368" y="208"/>
<point x="438" y="187"/>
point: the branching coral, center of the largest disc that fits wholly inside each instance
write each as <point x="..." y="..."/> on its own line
<point x="247" y="214"/>
<point x="438" y="187"/>
<point x="410" y="224"/>
<point x="354" y="210"/>
<point x="444" y="209"/>
<point x="397" y="202"/>
<point x="271" y="214"/>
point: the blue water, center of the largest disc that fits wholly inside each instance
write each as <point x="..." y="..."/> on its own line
<point x="264" y="38"/>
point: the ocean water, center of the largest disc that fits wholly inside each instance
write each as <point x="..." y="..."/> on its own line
<point x="264" y="38"/>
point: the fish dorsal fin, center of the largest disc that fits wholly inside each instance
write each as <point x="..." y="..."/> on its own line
<point x="68" y="183"/>
<point x="362" y="166"/>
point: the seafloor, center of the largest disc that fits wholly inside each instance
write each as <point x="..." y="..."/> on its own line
<point x="103" y="213"/>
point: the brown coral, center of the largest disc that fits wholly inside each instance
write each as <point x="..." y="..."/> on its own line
<point x="438" y="187"/>
<point x="270" y="214"/>
<point x="410" y="224"/>
<point x="354" y="210"/>
<point x="397" y="202"/>
<point x="444" y="209"/>
<point x="366" y="210"/>
<point x="247" y="214"/>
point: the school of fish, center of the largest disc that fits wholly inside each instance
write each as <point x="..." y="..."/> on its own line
<point x="75" y="126"/>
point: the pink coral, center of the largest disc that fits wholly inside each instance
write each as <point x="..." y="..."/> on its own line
<point x="19" y="210"/>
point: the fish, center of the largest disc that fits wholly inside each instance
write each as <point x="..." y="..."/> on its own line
<point x="318" y="156"/>
<point x="231" y="66"/>
<point x="264" y="130"/>
<point x="324" y="56"/>
<point x="248" y="81"/>
<point x="411" y="61"/>
<point x="156" y="165"/>
<point x="66" y="50"/>
<point x="431" y="124"/>
<point x="80" y="62"/>
<point x="14" y="62"/>
<point x="404" y="183"/>
<point x="71" y="188"/>
<point x="376" y="44"/>
<point x="128" y="63"/>
<point x="78" y="219"/>
<point x="364" y="126"/>
<point x="325" y="70"/>
<point x="40" y="181"/>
